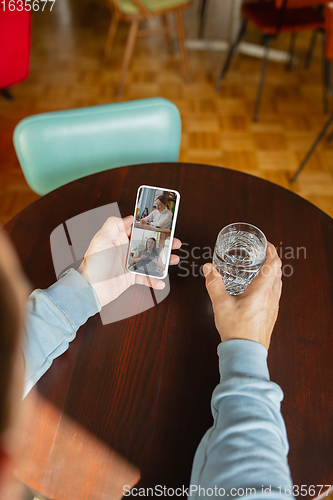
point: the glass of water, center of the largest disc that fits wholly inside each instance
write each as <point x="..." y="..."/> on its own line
<point x="239" y="253"/>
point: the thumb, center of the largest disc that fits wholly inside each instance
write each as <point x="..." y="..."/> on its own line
<point x="128" y="222"/>
<point x="214" y="283"/>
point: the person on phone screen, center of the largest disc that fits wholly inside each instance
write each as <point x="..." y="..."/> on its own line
<point x="161" y="216"/>
<point x="148" y="260"/>
<point x="247" y="446"/>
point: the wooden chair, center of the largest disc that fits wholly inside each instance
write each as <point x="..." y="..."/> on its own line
<point x="202" y="14"/>
<point x="272" y="18"/>
<point x="136" y="11"/>
<point x="328" y="78"/>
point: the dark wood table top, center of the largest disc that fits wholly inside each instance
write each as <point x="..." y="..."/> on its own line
<point x="129" y="401"/>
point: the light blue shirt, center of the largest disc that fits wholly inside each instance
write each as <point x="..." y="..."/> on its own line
<point x="53" y="318"/>
<point x="247" y="446"/>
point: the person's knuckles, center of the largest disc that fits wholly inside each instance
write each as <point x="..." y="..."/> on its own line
<point x="271" y="249"/>
<point x="276" y="260"/>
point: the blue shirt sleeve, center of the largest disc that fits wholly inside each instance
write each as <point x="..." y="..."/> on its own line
<point x="245" y="452"/>
<point x="53" y="318"/>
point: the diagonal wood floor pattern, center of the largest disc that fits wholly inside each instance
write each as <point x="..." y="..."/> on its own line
<point x="66" y="72"/>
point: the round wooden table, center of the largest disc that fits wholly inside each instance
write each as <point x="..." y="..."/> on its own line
<point x="129" y="401"/>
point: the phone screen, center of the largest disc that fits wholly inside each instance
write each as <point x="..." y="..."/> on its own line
<point x="154" y="224"/>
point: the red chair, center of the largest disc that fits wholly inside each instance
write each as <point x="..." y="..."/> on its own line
<point x="14" y="46"/>
<point x="272" y="18"/>
<point x="328" y="78"/>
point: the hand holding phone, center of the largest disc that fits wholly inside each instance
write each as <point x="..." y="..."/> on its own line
<point x="151" y="248"/>
<point x="104" y="263"/>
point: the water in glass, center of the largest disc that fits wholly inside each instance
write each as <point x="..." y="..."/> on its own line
<point x="239" y="255"/>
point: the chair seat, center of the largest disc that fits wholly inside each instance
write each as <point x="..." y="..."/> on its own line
<point x="129" y="8"/>
<point x="266" y="17"/>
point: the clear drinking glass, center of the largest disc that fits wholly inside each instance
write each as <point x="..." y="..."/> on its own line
<point x="239" y="253"/>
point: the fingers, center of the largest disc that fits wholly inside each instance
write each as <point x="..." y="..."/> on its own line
<point x="151" y="282"/>
<point x="176" y="244"/>
<point x="174" y="259"/>
<point x="214" y="284"/>
<point x="277" y="288"/>
<point x="115" y="225"/>
<point x="271" y="252"/>
<point x="272" y="265"/>
<point x="128" y="222"/>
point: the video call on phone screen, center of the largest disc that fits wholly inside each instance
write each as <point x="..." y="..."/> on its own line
<point x="151" y="235"/>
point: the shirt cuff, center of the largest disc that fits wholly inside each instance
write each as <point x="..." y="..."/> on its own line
<point x="72" y="291"/>
<point x="245" y="358"/>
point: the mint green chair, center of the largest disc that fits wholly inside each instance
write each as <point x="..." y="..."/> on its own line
<point x="59" y="147"/>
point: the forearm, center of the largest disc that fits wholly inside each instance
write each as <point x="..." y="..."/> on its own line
<point x="247" y="446"/>
<point x="53" y="318"/>
<point x="149" y="217"/>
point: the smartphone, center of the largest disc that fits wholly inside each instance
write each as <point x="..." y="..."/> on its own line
<point x="155" y="216"/>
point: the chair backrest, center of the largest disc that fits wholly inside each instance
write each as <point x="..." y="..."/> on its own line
<point x="297" y="4"/>
<point x="129" y="7"/>
<point x="59" y="147"/>
<point x="15" y="27"/>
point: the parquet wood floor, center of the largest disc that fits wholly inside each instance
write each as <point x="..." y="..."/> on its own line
<point x="66" y="72"/>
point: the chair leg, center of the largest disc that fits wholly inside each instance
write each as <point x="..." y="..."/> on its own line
<point x="110" y="38"/>
<point x="6" y="93"/>
<point x="230" y="55"/>
<point x="290" y="62"/>
<point x="262" y="78"/>
<point x="167" y="34"/>
<point x="202" y="14"/>
<point x="183" y="50"/>
<point x="311" y="150"/>
<point x="325" y="89"/>
<point x="309" y="54"/>
<point x="127" y="56"/>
